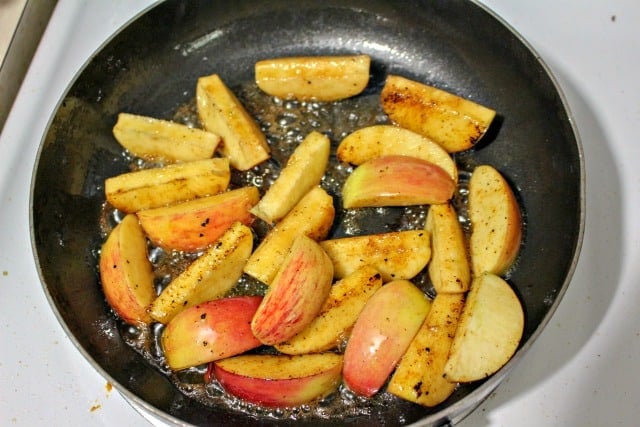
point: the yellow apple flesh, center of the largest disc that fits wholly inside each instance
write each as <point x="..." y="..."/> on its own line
<point x="489" y="332"/>
<point x="317" y="78"/>
<point x="383" y="140"/>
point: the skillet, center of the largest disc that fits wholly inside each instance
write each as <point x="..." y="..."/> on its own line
<point x="150" y="67"/>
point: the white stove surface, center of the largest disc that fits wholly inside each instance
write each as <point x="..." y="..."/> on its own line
<point x="583" y="369"/>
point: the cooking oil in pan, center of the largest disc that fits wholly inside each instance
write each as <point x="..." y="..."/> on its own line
<point x="286" y="123"/>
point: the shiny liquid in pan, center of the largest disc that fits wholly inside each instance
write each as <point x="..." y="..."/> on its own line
<point x="285" y="124"/>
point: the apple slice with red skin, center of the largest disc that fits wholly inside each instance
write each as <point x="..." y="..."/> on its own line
<point x="385" y="328"/>
<point x="210" y="331"/>
<point x="126" y="273"/>
<point x="194" y="225"/>
<point x="396" y="180"/>
<point x="297" y="293"/>
<point x="279" y="380"/>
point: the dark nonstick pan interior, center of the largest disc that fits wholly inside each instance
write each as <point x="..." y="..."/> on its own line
<point x="150" y="68"/>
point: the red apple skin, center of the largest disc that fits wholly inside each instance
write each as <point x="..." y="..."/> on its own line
<point x="210" y="331"/>
<point x="396" y="180"/>
<point x="194" y="225"/>
<point x="126" y="273"/>
<point x="385" y="328"/>
<point x="283" y="390"/>
<point x="297" y="293"/>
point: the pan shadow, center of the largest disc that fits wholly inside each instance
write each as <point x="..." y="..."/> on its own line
<point x="592" y="287"/>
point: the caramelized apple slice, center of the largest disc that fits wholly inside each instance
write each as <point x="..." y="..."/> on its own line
<point x="210" y="331"/>
<point x="318" y="78"/>
<point x="489" y="332"/>
<point x="126" y="273"/>
<point x="397" y="181"/>
<point x="495" y="220"/>
<point x="152" y="188"/>
<point x="207" y="278"/>
<point x="303" y="171"/>
<point x="453" y="122"/>
<point x="222" y="113"/>
<point x="279" y="380"/>
<point x="396" y="255"/>
<point x="296" y="295"/>
<point x="449" y="268"/>
<point x="312" y="216"/>
<point x="419" y="376"/>
<point x="385" y="140"/>
<point x="338" y="314"/>
<point x="154" y="139"/>
<point x="194" y="225"/>
<point x="381" y="335"/>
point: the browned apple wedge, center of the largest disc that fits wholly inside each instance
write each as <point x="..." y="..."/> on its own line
<point x="396" y="255"/>
<point x="279" y="380"/>
<point x="489" y="332"/>
<point x="338" y="314"/>
<point x="222" y="113"/>
<point x="207" y="278"/>
<point x="495" y="220"/>
<point x="304" y="170"/>
<point x="210" y="331"/>
<point x="161" y="140"/>
<point x="449" y="268"/>
<point x="384" y="329"/>
<point x="126" y="273"/>
<point x="194" y="225"/>
<point x="419" y="377"/>
<point x="151" y="188"/>
<point x="397" y="181"/>
<point x="318" y="78"/>
<point x="297" y="294"/>
<point x="455" y="123"/>
<point x="384" y="140"/>
<point x="311" y="216"/>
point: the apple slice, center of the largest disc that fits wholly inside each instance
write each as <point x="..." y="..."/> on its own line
<point x="338" y="314"/>
<point x="210" y="331"/>
<point x="194" y="225"/>
<point x="279" y="380"/>
<point x="151" y="188"/>
<point x="396" y="255"/>
<point x="384" y="140"/>
<point x="222" y="113"/>
<point x="495" y="220"/>
<point x="312" y="216"/>
<point x="489" y="332"/>
<point x="455" y="123"/>
<point x="384" y="329"/>
<point x="303" y="171"/>
<point x="396" y="181"/>
<point x="419" y="377"/>
<point x="154" y="139"/>
<point x="449" y="269"/>
<point x="126" y="273"/>
<point x="207" y="278"/>
<point x="296" y="295"/>
<point x="317" y="78"/>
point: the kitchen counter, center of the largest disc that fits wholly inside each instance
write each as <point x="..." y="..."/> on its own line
<point x="583" y="369"/>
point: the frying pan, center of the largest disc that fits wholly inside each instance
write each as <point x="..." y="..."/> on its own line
<point x="150" y="67"/>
